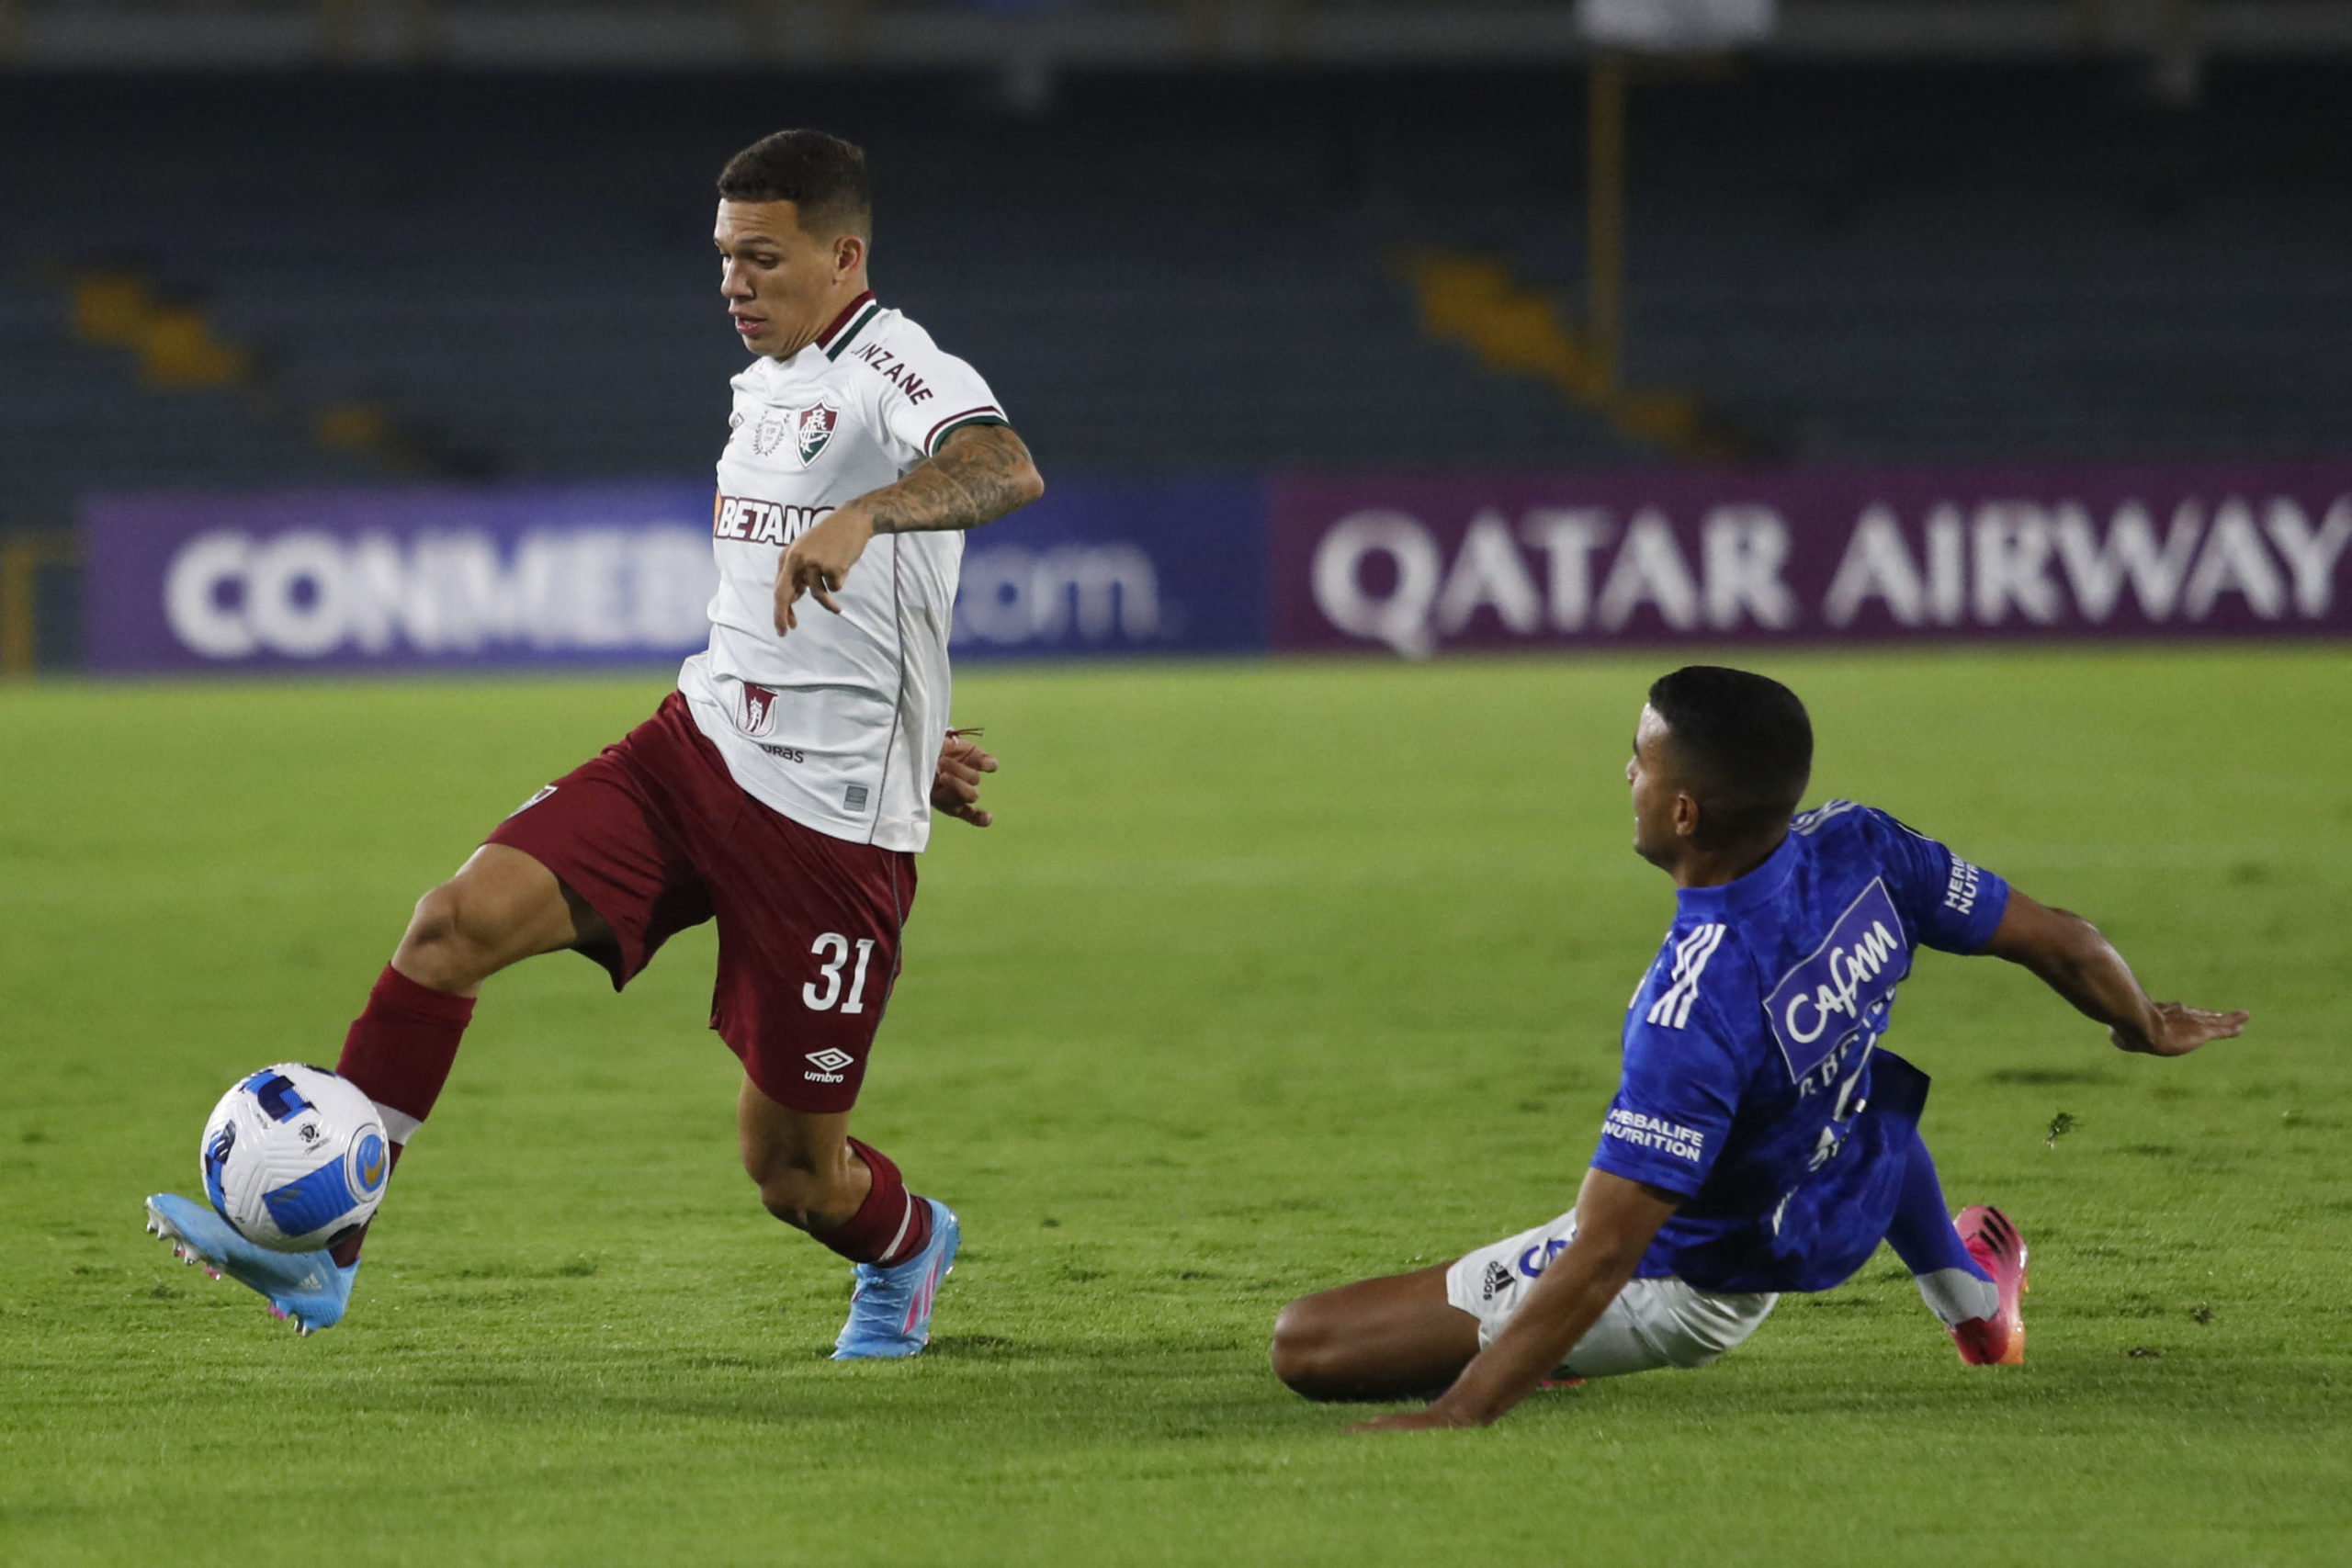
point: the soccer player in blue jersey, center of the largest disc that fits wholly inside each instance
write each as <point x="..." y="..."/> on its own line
<point x="1762" y="1138"/>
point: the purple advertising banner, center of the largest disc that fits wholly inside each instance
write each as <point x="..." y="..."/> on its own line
<point x="345" y="579"/>
<point x="571" y="575"/>
<point x="1418" y="566"/>
<point x="1113" y="567"/>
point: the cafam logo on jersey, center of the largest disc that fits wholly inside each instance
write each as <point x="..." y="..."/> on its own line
<point x="1843" y="986"/>
<point x="799" y="433"/>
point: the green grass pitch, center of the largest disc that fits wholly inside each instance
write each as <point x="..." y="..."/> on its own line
<point x="1267" y="977"/>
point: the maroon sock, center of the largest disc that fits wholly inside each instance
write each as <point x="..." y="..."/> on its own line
<point x="399" y="1053"/>
<point x="890" y="1227"/>
<point x="400" y="1050"/>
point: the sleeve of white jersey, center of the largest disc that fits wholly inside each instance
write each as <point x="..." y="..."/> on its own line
<point x="936" y="395"/>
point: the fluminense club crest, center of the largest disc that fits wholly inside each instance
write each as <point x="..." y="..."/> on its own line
<point x="812" y="427"/>
<point x="803" y="432"/>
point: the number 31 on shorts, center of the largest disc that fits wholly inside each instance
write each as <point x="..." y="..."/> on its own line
<point x="829" y="971"/>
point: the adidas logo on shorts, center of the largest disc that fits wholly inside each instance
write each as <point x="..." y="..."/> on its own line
<point x="1499" y="1279"/>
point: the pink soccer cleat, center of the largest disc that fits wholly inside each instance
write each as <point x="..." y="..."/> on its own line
<point x="1993" y="1240"/>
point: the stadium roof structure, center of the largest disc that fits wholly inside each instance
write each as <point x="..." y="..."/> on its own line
<point x="1048" y="35"/>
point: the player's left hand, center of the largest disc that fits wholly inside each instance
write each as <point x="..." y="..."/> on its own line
<point x="1429" y="1417"/>
<point x="819" y="562"/>
<point x="955" y="788"/>
<point x="2176" y="1030"/>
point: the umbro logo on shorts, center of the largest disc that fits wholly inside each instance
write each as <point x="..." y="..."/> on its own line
<point x="829" y="1063"/>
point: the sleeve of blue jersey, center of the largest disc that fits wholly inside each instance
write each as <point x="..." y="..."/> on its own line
<point x="1674" y="1103"/>
<point x="1953" y="904"/>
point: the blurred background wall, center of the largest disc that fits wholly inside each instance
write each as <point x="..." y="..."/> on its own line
<point x="366" y="242"/>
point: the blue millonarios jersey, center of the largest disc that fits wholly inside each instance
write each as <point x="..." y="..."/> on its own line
<point x="1754" y="1084"/>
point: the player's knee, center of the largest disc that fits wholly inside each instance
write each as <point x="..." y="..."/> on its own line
<point x="447" y="946"/>
<point x="1304" y="1352"/>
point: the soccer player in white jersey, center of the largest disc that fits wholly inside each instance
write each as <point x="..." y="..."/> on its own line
<point x="1763" y="1139"/>
<point x="786" y="785"/>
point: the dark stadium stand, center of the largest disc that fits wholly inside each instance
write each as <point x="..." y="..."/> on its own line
<point x="1181" y="273"/>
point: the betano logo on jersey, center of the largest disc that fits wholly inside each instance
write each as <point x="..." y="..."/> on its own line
<point x="1838" y="987"/>
<point x="750" y="520"/>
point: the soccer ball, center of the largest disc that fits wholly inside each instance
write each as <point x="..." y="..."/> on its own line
<point x="293" y="1156"/>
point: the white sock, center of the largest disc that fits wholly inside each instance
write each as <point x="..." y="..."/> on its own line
<point x="1956" y="1295"/>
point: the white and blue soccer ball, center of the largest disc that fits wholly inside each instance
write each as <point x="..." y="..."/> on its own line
<point x="294" y="1156"/>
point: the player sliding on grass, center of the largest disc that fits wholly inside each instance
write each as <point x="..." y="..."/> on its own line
<point x="784" y="788"/>
<point x="1761" y="1139"/>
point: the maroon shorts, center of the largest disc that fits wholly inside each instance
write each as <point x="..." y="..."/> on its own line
<point x="656" y="835"/>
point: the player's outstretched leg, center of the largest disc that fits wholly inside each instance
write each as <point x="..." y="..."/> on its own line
<point x="1408" y="1335"/>
<point x="1971" y="1273"/>
<point x="849" y="1195"/>
<point x="1399" y="1336"/>
<point x="501" y="907"/>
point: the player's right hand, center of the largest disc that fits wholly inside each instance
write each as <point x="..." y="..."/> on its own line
<point x="1430" y="1418"/>
<point x="2177" y="1029"/>
<point x="819" y="562"/>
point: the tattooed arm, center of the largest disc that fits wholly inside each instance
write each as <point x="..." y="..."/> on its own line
<point x="980" y="473"/>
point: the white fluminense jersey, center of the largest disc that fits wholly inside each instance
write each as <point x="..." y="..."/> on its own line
<point x="838" y="726"/>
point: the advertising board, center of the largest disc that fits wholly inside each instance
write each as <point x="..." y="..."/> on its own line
<point x="1119" y="567"/>
<point x="572" y="576"/>
<point x="416" y="578"/>
<point x="1417" y="565"/>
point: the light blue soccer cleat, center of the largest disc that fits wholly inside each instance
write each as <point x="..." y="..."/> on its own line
<point x="890" y="1314"/>
<point x="307" y="1289"/>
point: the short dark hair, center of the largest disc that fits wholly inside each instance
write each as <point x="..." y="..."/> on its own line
<point x="822" y="174"/>
<point x="1747" y="737"/>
